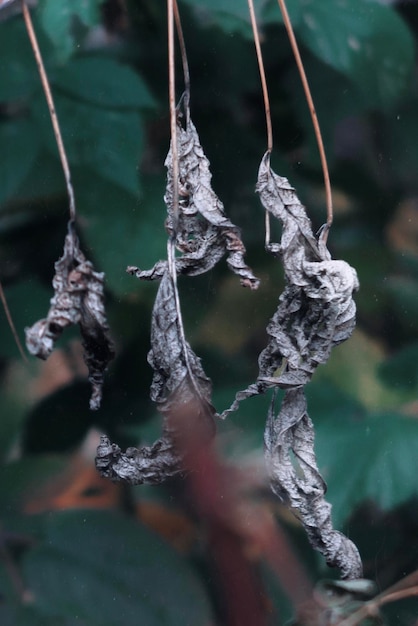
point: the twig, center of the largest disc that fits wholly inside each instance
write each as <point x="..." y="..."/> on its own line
<point x="184" y="60"/>
<point x="171" y="244"/>
<point x="266" y="100"/>
<point x="371" y="608"/>
<point x="173" y="110"/>
<point x="51" y="107"/>
<point x="11" y="324"/>
<point x="312" y="110"/>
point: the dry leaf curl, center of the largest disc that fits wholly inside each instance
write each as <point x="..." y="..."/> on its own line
<point x="78" y="299"/>
<point x="182" y="392"/>
<point x="201" y="229"/>
<point x="316" y="311"/>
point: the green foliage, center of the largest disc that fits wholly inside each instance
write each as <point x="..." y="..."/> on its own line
<point x="60" y="24"/>
<point x="364" y="40"/>
<point x="110" y="90"/>
<point x="96" y="563"/>
<point x="380" y="470"/>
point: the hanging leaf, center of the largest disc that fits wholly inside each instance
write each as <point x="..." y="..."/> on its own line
<point x="203" y="232"/>
<point x="78" y="299"/>
<point x="182" y="393"/>
<point x="316" y="311"/>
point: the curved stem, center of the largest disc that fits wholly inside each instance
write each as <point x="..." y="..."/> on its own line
<point x="173" y="111"/>
<point x="171" y="244"/>
<point x="184" y="61"/>
<point x="51" y="107"/>
<point x="312" y="110"/>
<point x="266" y="102"/>
<point x="11" y="324"/>
<point x="262" y="75"/>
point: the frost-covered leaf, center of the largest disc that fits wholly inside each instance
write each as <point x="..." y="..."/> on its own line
<point x="78" y="299"/>
<point x="183" y="396"/>
<point x="316" y="311"/>
<point x="202" y="230"/>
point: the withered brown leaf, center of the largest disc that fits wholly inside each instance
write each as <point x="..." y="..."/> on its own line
<point x="78" y="299"/>
<point x="182" y="392"/>
<point x="202" y="231"/>
<point x="316" y="311"/>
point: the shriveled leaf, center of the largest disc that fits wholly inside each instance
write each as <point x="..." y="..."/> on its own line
<point x="78" y="299"/>
<point x="316" y="311"/>
<point x="182" y="392"/>
<point x="203" y="232"/>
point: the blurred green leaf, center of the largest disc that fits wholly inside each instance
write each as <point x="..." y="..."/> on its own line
<point x="28" y="301"/>
<point x="106" y="569"/>
<point x="365" y="40"/>
<point x="121" y="229"/>
<point x="232" y="16"/>
<point x="369" y="459"/>
<point x="401" y="369"/>
<point x="12" y="416"/>
<point x="403" y="291"/>
<point x="59" y="422"/>
<point x="21" y="479"/>
<point x="108" y="141"/>
<point x="18" y="73"/>
<point x="20" y="141"/>
<point x="105" y="82"/>
<point x="58" y="22"/>
<point x="271" y="14"/>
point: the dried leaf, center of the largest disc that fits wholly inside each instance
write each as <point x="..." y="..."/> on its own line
<point x="182" y="393"/>
<point x="203" y="232"/>
<point x="316" y="311"/>
<point x="78" y="299"/>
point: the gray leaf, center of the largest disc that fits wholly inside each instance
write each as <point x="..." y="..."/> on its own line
<point x="316" y="311"/>
<point x="202" y="231"/>
<point x="182" y="392"/>
<point x="78" y="299"/>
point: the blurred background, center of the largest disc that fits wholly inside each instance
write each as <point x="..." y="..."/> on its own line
<point x="76" y="549"/>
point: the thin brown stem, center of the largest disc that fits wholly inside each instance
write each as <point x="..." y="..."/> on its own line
<point x="371" y="608"/>
<point x="173" y="110"/>
<point x="312" y="110"/>
<point x="11" y="324"/>
<point x="51" y="107"/>
<point x="171" y="244"/>
<point x="262" y="75"/>
<point x="184" y="60"/>
<point x="266" y="101"/>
